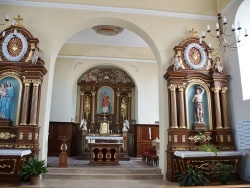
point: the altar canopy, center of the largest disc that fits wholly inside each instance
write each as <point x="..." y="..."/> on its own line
<point x="198" y="105"/>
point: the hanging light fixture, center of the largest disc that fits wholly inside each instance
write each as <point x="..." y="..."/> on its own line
<point x="6" y="20"/>
<point x="222" y="34"/>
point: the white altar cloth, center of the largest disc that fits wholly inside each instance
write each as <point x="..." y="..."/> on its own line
<point x="188" y="154"/>
<point x="15" y="152"/>
<point x="104" y="137"/>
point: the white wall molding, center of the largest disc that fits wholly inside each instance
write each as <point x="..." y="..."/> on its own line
<point x="106" y="9"/>
<point x="107" y="58"/>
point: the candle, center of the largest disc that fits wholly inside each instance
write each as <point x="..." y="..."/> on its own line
<point x="208" y="27"/>
<point x="233" y="28"/>
<point x="7" y="17"/>
<point x="225" y="20"/>
<point x="149" y="132"/>
<point x="217" y="25"/>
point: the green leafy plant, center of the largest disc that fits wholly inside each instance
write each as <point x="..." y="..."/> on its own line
<point x="223" y="172"/>
<point x="32" y="168"/>
<point x="209" y="148"/>
<point x="193" y="177"/>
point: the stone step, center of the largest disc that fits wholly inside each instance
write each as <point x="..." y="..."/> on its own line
<point x="101" y="176"/>
<point x="117" y="170"/>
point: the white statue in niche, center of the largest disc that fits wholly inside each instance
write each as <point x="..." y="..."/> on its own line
<point x="125" y="126"/>
<point x="83" y="125"/>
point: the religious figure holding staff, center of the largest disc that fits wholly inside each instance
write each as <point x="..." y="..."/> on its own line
<point x="198" y="104"/>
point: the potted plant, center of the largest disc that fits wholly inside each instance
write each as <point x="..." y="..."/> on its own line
<point x="32" y="169"/>
<point x="223" y="171"/>
<point x="193" y="177"/>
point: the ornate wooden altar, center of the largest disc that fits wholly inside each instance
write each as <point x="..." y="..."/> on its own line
<point x="105" y="103"/>
<point x="22" y="71"/>
<point x="197" y="101"/>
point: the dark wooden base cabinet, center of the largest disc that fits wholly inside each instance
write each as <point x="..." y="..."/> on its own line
<point x="144" y="135"/>
<point x="11" y="161"/>
<point x="59" y="130"/>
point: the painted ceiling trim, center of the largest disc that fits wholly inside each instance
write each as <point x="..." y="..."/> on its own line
<point x="105" y="8"/>
<point x="107" y="58"/>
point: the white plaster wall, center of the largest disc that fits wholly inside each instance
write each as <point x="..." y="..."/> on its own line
<point x="63" y="106"/>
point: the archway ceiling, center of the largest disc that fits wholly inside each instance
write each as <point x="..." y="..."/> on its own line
<point x="87" y="41"/>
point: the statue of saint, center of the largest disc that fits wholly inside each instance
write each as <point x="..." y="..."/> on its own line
<point x="6" y="98"/>
<point x="83" y="125"/>
<point x="198" y="104"/>
<point x="177" y="62"/>
<point x="105" y="102"/>
<point x="217" y="65"/>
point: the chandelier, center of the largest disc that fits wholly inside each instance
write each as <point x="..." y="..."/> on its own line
<point x="6" y="20"/>
<point x="222" y="33"/>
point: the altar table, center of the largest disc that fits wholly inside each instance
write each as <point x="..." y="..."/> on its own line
<point x="104" y="153"/>
<point x="11" y="161"/>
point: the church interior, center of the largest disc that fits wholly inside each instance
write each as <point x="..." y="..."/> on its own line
<point x="111" y="84"/>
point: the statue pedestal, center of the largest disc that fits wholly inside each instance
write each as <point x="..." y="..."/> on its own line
<point x="200" y="126"/>
<point x="5" y="122"/>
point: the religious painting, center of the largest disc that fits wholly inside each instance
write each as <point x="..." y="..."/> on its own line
<point x="197" y="105"/>
<point x="9" y="99"/>
<point x="105" y="97"/>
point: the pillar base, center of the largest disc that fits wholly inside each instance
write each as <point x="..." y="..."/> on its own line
<point x="63" y="159"/>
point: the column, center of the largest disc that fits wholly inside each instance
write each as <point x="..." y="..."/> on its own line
<point x="81" y="115"/>
<point x="93" y="107"/>
<point x="118" y="94"/>
<point x="217" y="107"/>
<point x="225" y="117"/>
<point x="172" y="88"/>
<point x="34" y="103"/>
<point x="181" y="114"/>
<point x="129" y="107"/>
<point x="25" y="103"/>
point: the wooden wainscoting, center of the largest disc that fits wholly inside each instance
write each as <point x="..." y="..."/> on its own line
<point x="143" y="140"/>
<point x="58" y="130"/>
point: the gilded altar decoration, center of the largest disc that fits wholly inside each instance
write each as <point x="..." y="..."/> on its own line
<point x="183" y="138"/>
<point x="36" y="136"/>
<point x="221" y="138"/>
<point x="29" y="136"/>
<point x="21" y="136"/>
<point x="200" y="137"/>
<point x="228" y="138"/>
<point x="108" y="30"/>
<point x="5" y="166"/>
<point x="6" y="146"/>
<point x="87" y="106"/>
<point x="175" y="138"/>
<point x="6" y="135"/>
<point x="124" y="108"/>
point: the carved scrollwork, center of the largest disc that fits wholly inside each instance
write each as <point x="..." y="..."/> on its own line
<point x="6" y="135"/>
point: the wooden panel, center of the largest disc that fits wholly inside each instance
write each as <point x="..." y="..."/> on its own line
<point x="143" y="141"/>
<point x="57" y="130"/>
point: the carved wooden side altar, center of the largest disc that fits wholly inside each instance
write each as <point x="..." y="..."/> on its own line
<point x="21" y="76"/>
<point x="197" y="101"/>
